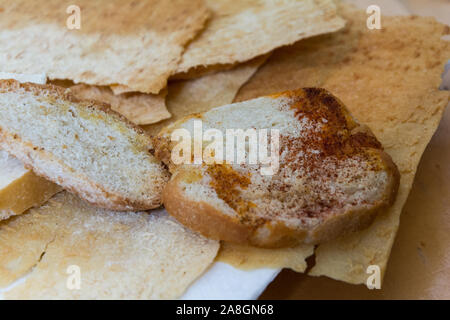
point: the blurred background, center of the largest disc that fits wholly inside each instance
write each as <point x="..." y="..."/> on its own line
<point x="419" y="267"/>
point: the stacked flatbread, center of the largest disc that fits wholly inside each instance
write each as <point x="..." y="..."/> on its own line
<point x="131" y="56"/>
<point x="137" y="46"/>
<point x="124" y="54"/>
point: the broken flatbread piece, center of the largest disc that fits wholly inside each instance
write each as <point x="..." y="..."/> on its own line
<point x="119" y="89"/>
<point x="118" y="255"/>
<point x="241" y="30"/>
<point x="139" y="108"/>
<point x="202" y="94"/>
<point x="248" y="258"/>
<point x="133" y="43"/>
<point x="389" y="79"/>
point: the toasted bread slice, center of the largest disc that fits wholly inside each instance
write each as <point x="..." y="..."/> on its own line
<point x="83" y="146"/>
<point x="333" y="177"/>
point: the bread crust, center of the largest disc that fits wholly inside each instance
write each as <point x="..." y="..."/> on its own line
<point x="202" y="216"/>
<point x="37" y="159"/>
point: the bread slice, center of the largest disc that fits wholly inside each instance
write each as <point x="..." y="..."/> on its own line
<point x="83" y="146"/>
<point x="333" y="177"/>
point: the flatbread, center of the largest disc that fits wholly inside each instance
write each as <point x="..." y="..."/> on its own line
<point x="119" y="89"/>
<point x="133" y="43"/>
<point x="140" y="108"/>
<point x="241" y="30"/>
<point x="120" y="255"/>
<point x="248" y="258"/>
<point x="202" y="94"/>
<point x="389" y="80"/>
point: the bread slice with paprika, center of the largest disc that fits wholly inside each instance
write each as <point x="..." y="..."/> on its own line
<point x="83" y="146"/>
<point x="333" y="176"/>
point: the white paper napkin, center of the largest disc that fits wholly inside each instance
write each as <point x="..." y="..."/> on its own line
<point x="223" y="282"/>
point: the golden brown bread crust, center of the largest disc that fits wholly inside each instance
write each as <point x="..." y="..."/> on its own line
<point x="87" y="189"/>
<point x="213" y="223"/>
<point x="202" y="216"/>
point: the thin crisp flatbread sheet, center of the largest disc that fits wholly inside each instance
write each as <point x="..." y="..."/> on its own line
<point x="139" y="108"/>
<point x="133" y="43"/>
<point x="119" y="89"/>
<point x="75" y="251"/>
<point x="248" y="258"/>
<point x="199" y="95"/>
<point x="241" y="30"/>
<point x="389" y="79"/>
